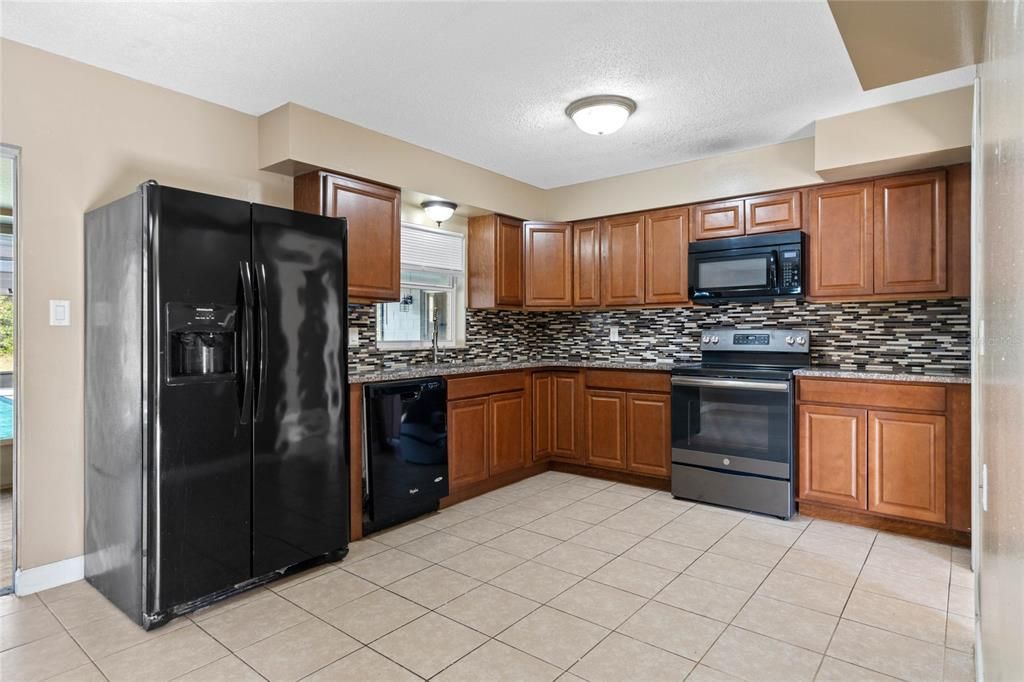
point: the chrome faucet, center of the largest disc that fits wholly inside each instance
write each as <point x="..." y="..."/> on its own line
<point x="436" y="326"/>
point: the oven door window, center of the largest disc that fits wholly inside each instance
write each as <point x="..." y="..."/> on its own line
<point x="732" y="422"/>
<point x="748" y="272"/>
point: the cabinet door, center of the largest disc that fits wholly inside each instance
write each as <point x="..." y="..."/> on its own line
<point x="667" y="240"/>
<point x="840" y="241"/>
<point x="509" y="432"/>
<point x="907" y="465"/>
<point x="586" y="265"/>
<point x="374" y="236"/>
<point x="649" y="425"/>
<point x="567" y="409"/>
<point x="910" y="234"/>
<point x="622" y="260"/>
<point x="468" y="439"/>
<point x="606" y="429"/>
<point x="548" y="264"/>
<point x="833" y="455"/>
<point x="543" y="416"/>
<point x="718" y="219"/>
<point x="774" y="212"/>
<point x="509" y="262"/>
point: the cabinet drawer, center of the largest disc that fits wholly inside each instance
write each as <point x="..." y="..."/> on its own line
<point x="873" y="394"/>
<point x="486" y="384"/>
<point x="629" y="380"/>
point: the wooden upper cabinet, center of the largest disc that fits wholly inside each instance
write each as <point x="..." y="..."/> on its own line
<point x="910" y="233"/>
<point x="718" y="219"/>
<point x="622" y="260"/>
<point x="495" y="262"/>
<point x="666" y="238"/>
<point x="567" y="415"/>
<point x="586" y="263"/>
<point x="374" y="230"/>
<point x="649" y="420"/>
<point x="833" y="455"/>
<point x="543" y="415"/>
<point x="548" y="257"/>
<point x="509" y="432"/>
<point x="774" y="212"/>
<point x="605" y="415"/>
<point x="841" y="241"/>
<point x="468" y="441"/>
<point x="907" y="465"/>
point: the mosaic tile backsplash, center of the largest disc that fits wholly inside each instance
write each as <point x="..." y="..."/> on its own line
<point x="906" y="336"/>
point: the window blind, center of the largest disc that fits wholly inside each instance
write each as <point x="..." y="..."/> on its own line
<point x="427" y="247"/>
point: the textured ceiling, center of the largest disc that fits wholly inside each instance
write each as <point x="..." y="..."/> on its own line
<point x="487" y="83"/>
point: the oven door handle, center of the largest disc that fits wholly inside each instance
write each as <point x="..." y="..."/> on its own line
<point x="748" y="385"/>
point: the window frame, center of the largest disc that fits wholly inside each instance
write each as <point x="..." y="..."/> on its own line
<point x="456" y="300"/>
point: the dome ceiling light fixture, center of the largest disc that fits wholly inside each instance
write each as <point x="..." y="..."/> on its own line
<point x="600" y="114"/>
<point x="439" y="210"/>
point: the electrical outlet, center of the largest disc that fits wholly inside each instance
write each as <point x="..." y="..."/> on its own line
<point x="613" y="334"/>
<point x="353" y="338"/>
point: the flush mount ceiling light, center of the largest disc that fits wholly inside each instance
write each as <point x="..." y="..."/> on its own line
<point x="438" y="210"/>
<point x="600" y="114"/>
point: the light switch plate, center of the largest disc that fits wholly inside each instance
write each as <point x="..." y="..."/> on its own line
<point x="613" y="334"/>
<point x="60" y="313"/>
<point x="353" y="338"/>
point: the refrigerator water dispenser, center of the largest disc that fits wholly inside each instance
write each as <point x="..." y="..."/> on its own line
<point x="201" y="342"/>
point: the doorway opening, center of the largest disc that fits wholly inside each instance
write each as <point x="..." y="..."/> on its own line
<point x="8" y="364"/>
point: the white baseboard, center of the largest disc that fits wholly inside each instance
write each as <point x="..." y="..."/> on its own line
<point x="49" y="575"/>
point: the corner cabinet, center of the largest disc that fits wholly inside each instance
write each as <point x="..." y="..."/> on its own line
<point x="374" y="230"/>
<point x="558" y="416"/>
<point x="548" y="258"/>
<point x="897" y="450"/>
<point x="495" y="262"/>
<point x="586" y="264"/>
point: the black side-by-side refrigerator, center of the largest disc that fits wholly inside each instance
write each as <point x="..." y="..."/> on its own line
<point x="216" y="415"/>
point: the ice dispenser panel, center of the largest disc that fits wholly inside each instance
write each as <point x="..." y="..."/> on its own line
<point x="201" y="343"/>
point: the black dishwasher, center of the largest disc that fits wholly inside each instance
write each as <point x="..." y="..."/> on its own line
<point x="405" y="453"/>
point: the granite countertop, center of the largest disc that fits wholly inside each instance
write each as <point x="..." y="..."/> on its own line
<point x="877" y="375"/>
<point x="454" y="368"/>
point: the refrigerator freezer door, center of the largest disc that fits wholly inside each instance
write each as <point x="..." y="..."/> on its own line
<point x="200" y="493"/>
<point x="300" y="465"/>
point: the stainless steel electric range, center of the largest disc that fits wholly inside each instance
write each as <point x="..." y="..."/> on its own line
<point x="732" y="419"/>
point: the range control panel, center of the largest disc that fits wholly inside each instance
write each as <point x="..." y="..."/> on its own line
<point x="773" y="340"/>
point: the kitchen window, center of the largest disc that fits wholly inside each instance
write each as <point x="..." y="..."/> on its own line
<point x="433" y="283"/>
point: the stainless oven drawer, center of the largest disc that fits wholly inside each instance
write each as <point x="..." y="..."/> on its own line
<point x="752" y="493"/>
<point x="745" y="465"/>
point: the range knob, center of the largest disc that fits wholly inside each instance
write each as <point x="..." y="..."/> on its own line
<point x="714" y="339"/>
<point x="706" y="339"/>
<point x="790" y="340"/>
<point x="802" y="340"/>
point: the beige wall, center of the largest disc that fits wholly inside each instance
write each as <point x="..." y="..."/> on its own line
<point x="89" y="136"/>
<point x="999" y="286"/>
<point x="926" y="131"/>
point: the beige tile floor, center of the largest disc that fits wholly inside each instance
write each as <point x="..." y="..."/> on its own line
<point x="558" y="576"/>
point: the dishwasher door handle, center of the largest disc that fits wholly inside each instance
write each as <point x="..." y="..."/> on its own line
<point x="740" y="384"/>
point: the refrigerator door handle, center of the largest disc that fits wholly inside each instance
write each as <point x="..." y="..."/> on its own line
<point x="261" y="363"/>
<point x="247" y="311"/>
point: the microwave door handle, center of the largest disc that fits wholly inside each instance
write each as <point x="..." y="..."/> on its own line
<point x="773" y="271"/>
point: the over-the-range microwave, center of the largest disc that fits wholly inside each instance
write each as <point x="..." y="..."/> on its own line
<point x="757" y="267"/>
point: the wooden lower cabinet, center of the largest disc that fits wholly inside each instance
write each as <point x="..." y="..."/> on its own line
<point x="468" y="440"/>
<point x="649" y="429"/>
<point x="833" y="456"/>
<point x="567" y="416"/>
<point x="907" y="465"/>
<point x="606" y="429"/>
<point x="509" y="432"/>
<point x="887" y="449"/>
<point x="543" y="431"/>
